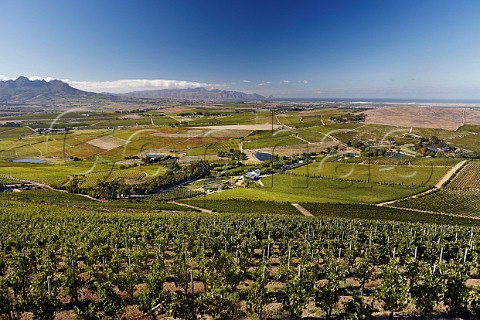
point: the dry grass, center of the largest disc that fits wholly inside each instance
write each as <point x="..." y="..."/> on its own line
<point x="423" y="117"/>
<point x="107" y="142"/>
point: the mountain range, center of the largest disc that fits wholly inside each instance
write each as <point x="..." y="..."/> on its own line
<point x="194" y="94"/>
<point x="23" y="91"/>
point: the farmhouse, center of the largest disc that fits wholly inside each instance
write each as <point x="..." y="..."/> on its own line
<point x="437" y="149"/>
<point x="253" y="175"/>
<point x="51" y="130"/>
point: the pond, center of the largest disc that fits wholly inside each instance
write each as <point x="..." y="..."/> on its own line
<point x="263" y="156"/>
<point x="28" y="160"/>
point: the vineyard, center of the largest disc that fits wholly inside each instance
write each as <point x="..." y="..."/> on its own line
<point x="152" y="212"/>
<point x="64" y="199"/>
<point x="244" y="206"/>
<point x="69" y="263"/>
<point x="372" y="212"/>
<point x="286" y="187"/>
<point x="176" y="194"/>
<point x="467" y="178"/>
<point x="111" y="175"/>
<point x="383" y="174"/>
<point x="460" y="202"/>
<point x="89" y="172"/>
<point x="461" y="196"/>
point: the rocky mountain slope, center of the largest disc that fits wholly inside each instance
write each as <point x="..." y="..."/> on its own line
<point x="195" y="94"/>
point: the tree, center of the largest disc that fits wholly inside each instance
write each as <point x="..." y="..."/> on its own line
<point x="7" y="306"/>
<point x="43" y="293"/>
<point x="71" y="281"/>
<point x="363" y="271"/>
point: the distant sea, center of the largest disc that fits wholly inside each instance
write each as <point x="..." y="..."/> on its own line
<point x="384" y="100"/>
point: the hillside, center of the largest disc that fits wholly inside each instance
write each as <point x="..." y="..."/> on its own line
<point x="194" y="94"/>
<point x="23" y="91"/>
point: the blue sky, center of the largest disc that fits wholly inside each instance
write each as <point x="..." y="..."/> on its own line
<point x="377" y="49"/>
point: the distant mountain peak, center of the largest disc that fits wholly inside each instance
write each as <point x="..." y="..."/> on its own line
<point x="25" y="91"/>
<point x="22" y="79"/>
<point x="198" y="93"/>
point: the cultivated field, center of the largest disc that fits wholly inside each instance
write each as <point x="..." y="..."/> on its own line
<point x="461" y="196"/>
<point x="364" y="172"/>
<point x="293" y="188"/>
<point x="79" y="263"/>
<point x="468" y="178"/>
<point x="162" y="212"/>
<point x="108" y="148"/>
<point x="424" y="117"/>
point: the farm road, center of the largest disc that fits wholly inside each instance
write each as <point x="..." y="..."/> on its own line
<point x="437" y="186"/>
<point x="302" y="210"/>
<point x="450" y="174"/>
<point x="190" y="206"/>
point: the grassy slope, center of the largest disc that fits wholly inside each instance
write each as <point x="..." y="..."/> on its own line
<point x="388" y="174"/>
<point x="93" y="171"/>
<point x="301" y="189"/>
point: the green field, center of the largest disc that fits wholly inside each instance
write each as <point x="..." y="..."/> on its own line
<point x="58" y="174"/>
<point x="99" y="140"/>
<point x="289" y="188"/>
<point x="461" y="196"/>
<point x="385" y="174"/>
<point x="272" y="142"/>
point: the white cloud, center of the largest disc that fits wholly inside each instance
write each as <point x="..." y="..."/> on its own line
<point x="263" y="83"/>
<point x="119" y="86"/>
<point x="305" y="81"/>
<point x="284" y="81"/>
<point x="48" y="79"/>
<point x="122" y="86"/>
<point x="5" y="78"/>
<point x="246" y="81"/>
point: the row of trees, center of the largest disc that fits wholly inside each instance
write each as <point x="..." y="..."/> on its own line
<point x="174" y="177"/>
<point x="349" y="117"/>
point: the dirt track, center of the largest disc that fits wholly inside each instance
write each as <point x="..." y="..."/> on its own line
<point x="437" y="186"/>
<point x="450" y="174"/>
<point x="302" y="210"/>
